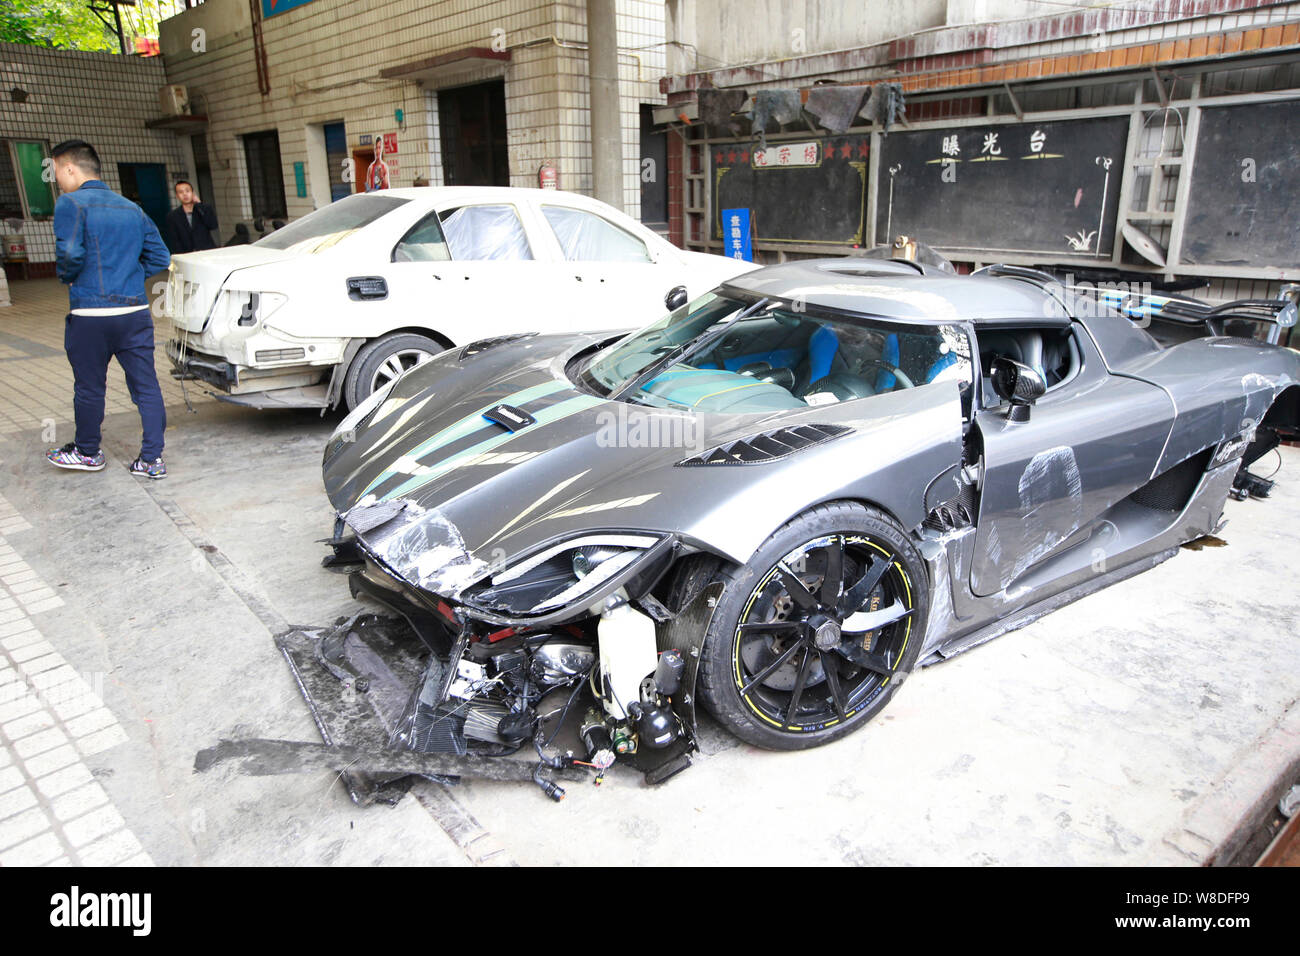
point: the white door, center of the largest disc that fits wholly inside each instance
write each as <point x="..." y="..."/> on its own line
<point x="470" y="272"/>
<point x="626" y="277"/>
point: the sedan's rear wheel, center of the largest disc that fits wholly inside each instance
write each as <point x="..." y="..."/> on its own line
<point x="814" y="634"/>
<point x="383" y="360"/>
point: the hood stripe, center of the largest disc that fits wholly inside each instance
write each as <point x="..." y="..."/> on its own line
<point x="555" y="413"/>
<point x="467" y="426"/>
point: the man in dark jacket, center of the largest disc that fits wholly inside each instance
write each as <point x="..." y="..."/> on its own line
<point x="105" y="246"/>
<point x="191" y="226"/>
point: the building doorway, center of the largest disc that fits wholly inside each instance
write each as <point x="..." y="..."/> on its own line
<point x="146" y="184"/>
<point x="265" y="176"/>
<point x="654" y="172"/>
<point x="473" y="124"/>
<point x="361" y="160"/>
<point x="336" y="151"/>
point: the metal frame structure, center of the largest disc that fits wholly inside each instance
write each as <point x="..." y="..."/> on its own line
<point x="697" y="186"/>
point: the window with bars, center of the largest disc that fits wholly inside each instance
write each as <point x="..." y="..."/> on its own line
<point x="265" y="176"/>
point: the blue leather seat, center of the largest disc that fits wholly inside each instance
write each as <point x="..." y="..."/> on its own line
<point x="822" y="349"/>
<point x="945" y="361"/>
<point x="885" y="379"/>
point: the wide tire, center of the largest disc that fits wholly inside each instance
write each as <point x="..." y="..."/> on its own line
<point x="383" y="359"/>
<point x="783" y="665"/>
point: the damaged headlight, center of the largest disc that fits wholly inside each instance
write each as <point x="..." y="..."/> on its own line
<point x="559" y="575"/>
<point x="420" y="546"/>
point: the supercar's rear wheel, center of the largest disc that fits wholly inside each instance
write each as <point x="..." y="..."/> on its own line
<point x="811" y="638"/>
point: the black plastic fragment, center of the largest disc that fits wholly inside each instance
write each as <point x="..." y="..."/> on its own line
<point x="261" y="758"/>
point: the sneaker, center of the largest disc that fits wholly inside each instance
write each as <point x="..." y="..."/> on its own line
<point x="69" y="457"/>
<point x="150" y="469"/>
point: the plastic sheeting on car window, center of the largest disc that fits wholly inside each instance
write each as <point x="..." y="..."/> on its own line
<point x="486" y="232"/>
<point x="585" y="237"/>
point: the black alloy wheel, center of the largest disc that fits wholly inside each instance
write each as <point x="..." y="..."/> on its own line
<point x="821" y="632"/>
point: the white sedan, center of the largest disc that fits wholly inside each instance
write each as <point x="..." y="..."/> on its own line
<point x="334" y="305"/>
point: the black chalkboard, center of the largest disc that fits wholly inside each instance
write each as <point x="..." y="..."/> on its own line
<point x="1243" y="207"/>
<point x="1049" y="188"/>
<point x="822" y="202"/>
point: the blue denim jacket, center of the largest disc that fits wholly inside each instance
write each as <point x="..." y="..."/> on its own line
<point x="105" y="246"/>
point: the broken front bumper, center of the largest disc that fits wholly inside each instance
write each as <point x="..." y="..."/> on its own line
<point x="356" y="679"/>
<point x="298" y="386"/>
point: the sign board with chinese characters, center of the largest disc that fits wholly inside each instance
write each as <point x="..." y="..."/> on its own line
<point x="735" y="235"/>
<point x="1049" y="188"/>
<point x="1244" y="204"/>
<point x="786" y="154"/>
<point x="811" y="191"/>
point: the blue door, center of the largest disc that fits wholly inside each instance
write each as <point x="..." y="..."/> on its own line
<point x="336" y="151"/>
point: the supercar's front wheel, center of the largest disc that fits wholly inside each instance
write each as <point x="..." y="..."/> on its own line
<point x="812" y="636"/>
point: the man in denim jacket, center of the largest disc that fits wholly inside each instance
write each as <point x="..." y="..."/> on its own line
<point x="105" y="248"/>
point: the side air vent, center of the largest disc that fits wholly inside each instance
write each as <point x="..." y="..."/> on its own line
<point x="768" y="446"/>
<point x="1172" y="490"/>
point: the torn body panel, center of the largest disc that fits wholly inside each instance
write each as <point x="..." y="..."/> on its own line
<point x="1116" y="548"/>
<point x="1221" y="388"/>
<point x="1050" y="478"/>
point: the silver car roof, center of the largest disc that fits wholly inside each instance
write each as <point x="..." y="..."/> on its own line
<point x="903" y="292"/>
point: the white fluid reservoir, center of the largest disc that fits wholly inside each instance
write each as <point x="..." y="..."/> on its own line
<point x="628" y="655"/>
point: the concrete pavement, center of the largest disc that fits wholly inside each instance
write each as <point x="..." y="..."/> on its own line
<point x="1134" y="727"/>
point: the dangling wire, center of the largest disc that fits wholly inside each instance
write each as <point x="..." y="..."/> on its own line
<point x="1164" y="112"/>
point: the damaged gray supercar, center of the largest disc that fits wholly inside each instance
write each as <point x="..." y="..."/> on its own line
<point x="783" y="497"/>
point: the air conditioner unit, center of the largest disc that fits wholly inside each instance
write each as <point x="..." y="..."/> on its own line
<point x="174" y="100"/>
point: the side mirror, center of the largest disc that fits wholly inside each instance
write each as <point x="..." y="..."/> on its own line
<point x="676" y="298"/>
<point x="1018" y="384"/>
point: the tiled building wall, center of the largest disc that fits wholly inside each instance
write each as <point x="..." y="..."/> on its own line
<point x="324" y="61"/>
<point x="641" y="34"/>
<point x="99" y="97"/>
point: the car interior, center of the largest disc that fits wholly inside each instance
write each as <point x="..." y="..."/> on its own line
<point x="423" y="242"/>
<point x="1052" y="352"/>
<point x="804" y="360"/>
